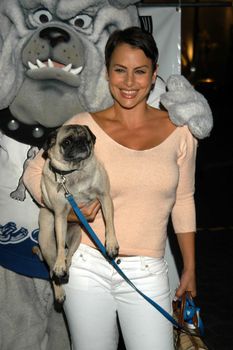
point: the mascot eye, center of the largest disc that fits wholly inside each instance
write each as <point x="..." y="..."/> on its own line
<point x="42" y="17"/>
<point x="81" y="21"/>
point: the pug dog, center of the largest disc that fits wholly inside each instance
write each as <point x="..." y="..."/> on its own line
<point x="71" y="165"/>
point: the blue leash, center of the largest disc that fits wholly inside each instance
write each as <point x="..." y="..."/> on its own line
<point x="101" y="247"/>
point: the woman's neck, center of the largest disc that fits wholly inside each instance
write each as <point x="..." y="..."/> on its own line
<point x="131" y="117"/>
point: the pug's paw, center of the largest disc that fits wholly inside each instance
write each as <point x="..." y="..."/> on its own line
<point x="112" y="247"/>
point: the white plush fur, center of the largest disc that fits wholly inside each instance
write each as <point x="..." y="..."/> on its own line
<point x="187" y="106"/>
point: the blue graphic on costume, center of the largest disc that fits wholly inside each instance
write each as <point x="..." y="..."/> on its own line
<point x="10" y="234"/>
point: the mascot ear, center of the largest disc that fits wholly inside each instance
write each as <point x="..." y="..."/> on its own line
<point x="51" y="140"/>
<point x="120" y="4"/>
<point x="93" y="138"/>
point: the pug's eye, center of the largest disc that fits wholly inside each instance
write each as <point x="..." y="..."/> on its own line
<point x="81" y="21"/>
<point x="66" y="142"/>
<point x="39" y="17"/>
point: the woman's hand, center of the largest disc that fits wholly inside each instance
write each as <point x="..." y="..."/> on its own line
<point x="187" y="283"/>
<point x="89" y="210"/>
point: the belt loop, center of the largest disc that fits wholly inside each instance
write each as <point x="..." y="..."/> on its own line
<point x="166" y="265"/>
<point x="143" y="265"/>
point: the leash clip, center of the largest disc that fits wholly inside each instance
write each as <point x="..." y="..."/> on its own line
<point x="62" y="184"/>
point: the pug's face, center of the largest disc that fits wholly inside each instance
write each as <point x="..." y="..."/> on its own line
<point x="69" y="146"/>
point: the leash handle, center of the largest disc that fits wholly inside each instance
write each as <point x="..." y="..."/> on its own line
<point x="101" y="247"/>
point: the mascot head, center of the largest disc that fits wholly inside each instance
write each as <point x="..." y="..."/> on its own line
<point x="52" y="56"/>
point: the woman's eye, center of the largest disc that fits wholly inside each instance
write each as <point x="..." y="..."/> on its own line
<point x="140" y="71"/>
<point x="119" y="70"/>
<point x="81" y="21"/>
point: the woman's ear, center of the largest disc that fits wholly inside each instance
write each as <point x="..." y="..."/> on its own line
<point x="154" y="76"/>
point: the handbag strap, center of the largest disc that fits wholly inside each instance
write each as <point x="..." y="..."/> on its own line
<point x="187" y="314"/>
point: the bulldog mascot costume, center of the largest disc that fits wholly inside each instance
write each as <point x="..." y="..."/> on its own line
<point x="52" y="67"/>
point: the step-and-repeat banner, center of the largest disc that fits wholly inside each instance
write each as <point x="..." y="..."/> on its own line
<point x="165" y="25"/>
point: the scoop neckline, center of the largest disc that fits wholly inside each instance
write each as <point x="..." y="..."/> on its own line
<point x="131" y="149"/>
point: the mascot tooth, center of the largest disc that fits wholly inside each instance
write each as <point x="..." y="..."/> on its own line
<point x="51" y="67"/>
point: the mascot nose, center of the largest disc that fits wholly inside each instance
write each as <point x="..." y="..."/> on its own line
<point x="54" y="35"/>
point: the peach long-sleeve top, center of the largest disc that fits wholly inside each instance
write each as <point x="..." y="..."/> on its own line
<point x="146" y="187"/>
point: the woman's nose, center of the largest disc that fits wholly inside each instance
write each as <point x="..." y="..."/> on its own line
<point x="129" y="79"/>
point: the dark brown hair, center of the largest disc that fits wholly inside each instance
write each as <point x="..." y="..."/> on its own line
<point x="135" y="37"/>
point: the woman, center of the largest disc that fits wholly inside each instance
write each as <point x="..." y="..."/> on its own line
<point x="151" y="166"/>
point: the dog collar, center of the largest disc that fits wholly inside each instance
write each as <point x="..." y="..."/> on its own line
<point x="60" y="172"/>
<point x="33" y="135"/>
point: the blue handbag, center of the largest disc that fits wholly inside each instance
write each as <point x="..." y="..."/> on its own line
<point x="187" y="314"/>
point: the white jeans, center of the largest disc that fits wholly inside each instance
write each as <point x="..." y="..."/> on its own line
<point x="96" y="293"/>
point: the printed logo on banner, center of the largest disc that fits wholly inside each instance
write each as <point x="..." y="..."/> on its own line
<point x="10" y="234"/>
<point x="146" y="23"/>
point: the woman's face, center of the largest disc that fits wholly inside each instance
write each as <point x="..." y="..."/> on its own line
<point x="130" y="76"/>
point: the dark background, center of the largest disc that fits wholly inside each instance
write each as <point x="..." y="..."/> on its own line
<point x="212" y="35"/>
<point x="207" y="61"/>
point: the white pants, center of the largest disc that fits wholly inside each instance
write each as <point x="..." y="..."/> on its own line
<point x="96" y="293"/>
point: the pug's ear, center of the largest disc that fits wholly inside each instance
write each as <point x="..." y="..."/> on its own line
<point x="93" y="137"/>
<point x="51" y="140"/>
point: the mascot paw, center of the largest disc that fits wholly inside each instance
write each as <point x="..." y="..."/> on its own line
<point x="186" y="106"/>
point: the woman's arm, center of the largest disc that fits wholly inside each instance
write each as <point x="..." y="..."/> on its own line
<point x="88" y="210"/>
<point x="32" y="179"/>
<point x="188" y="279"/>
<point x="184" y="215"/>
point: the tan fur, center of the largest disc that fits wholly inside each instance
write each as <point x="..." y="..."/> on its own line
<point x="87" y="182"/>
